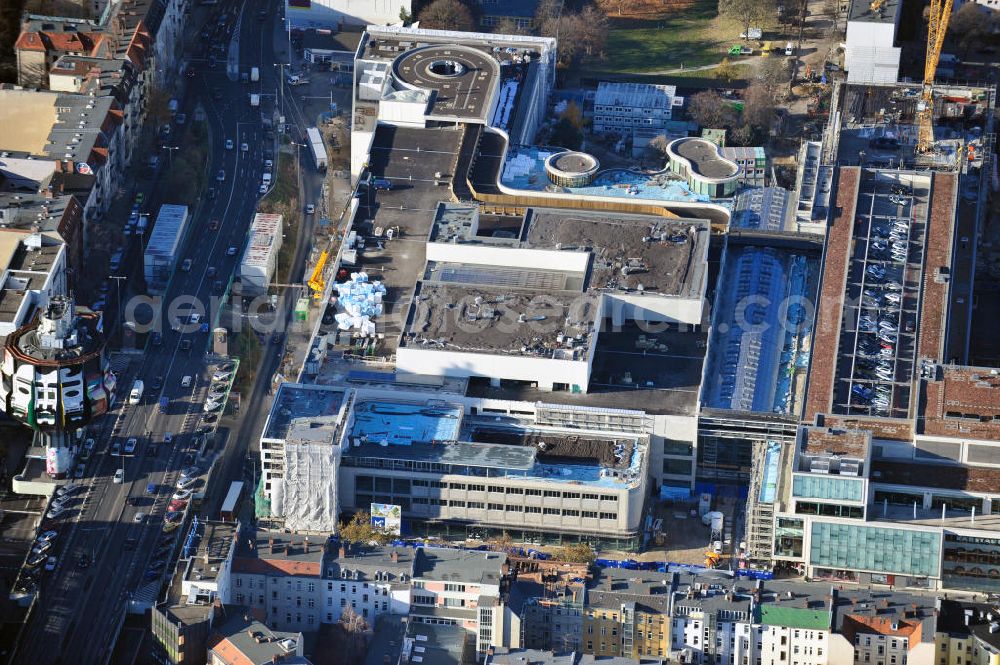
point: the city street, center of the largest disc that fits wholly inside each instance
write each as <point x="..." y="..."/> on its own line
<point x="79" y="610"/>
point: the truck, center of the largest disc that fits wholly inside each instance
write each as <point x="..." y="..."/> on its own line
<point x="254" y="100"/>
<point x="317" y="147"/>
<point x="254" y="74"/>
<point x="135" y="396"/>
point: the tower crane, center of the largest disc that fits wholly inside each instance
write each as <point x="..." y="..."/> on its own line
<point x="937" y="26"/>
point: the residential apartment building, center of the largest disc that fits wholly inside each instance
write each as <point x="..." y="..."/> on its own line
<point x="618" y="107"/>
<point x="967" y="633"/>
<point x="242" y="639"/>
<point x="182" y="622"/>
<point x="460" y="588"/>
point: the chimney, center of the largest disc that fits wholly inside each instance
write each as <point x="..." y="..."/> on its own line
<point x="394" y="556"/>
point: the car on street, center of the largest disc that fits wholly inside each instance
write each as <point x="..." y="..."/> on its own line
<point x="130" y="446"/>
<point x="231" y="251"/>
<point x="119" y="476"/>
<point x="221" y="175"/>
<point x="229" y="144"/>
<point x="79" y="470"/>
<point x="51" y="563"/>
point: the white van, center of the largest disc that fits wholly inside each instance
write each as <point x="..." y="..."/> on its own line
<point x="135" y="396"/>
<point x="186" y="382"/>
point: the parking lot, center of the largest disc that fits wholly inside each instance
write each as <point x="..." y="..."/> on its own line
<point x="878" y="338"/>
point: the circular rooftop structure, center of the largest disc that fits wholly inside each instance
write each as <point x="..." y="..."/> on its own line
<point x="462" y="78"/>
<point x="704" y="167"/>
<point x="572" y="168"/>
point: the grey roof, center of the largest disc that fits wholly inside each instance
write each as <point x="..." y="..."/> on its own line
<point x="295" y="401"/>
<point x="459" y="566"/>
<point x="242" y="631"/>
<point x="387" y="640"/>
<point x="612" y="588"/>
<point x="907" y="608"/>
<point x="365" y="563"/>
<point x="435" y="644"/>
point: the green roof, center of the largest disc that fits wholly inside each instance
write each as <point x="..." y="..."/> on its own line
<point x="794" y="617"/>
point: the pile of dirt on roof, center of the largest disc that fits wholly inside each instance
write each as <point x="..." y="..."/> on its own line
<point x="566" y="449"/>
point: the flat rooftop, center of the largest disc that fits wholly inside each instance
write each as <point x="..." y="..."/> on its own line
<point x="657" y="372"/>
<point x="462" y="79"/>
<point x="663" y="256"/>
<point x="961" y="402"/>
<point x="861" y="10"/>
<point x="705" y="158"/>
<point x="830" y="441"/>
<point x="295" y="401"/>
<point x="492" y="321"/>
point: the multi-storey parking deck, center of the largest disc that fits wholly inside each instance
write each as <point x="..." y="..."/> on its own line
<point x="877" y="341"/>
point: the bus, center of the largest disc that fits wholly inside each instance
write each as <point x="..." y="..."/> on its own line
<point x="231" y="506"/>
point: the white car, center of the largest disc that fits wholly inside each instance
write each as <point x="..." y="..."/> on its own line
<point x="229" y="144"/>
<point x="119" y="476"/>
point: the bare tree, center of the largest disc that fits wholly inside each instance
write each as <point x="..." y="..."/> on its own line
<point x="710" y="109"/>
<point x="748" y="13"/>
<point x="356" y="629"/>
<point x="447" y="15"/>
<point x="509" y="26"/>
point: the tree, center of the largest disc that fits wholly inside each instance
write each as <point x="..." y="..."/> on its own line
<point x="360" y="530"/>
<point x="509" y="26"/>
<point x="447" y="15"/>
<point x="576" y="553"/>
<point x="748" y="13"/>
<point x="970" y="24"/>
<point x="758" y="108"/>
<point x="710" y="109"/>
<point x="356" y="629"/>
